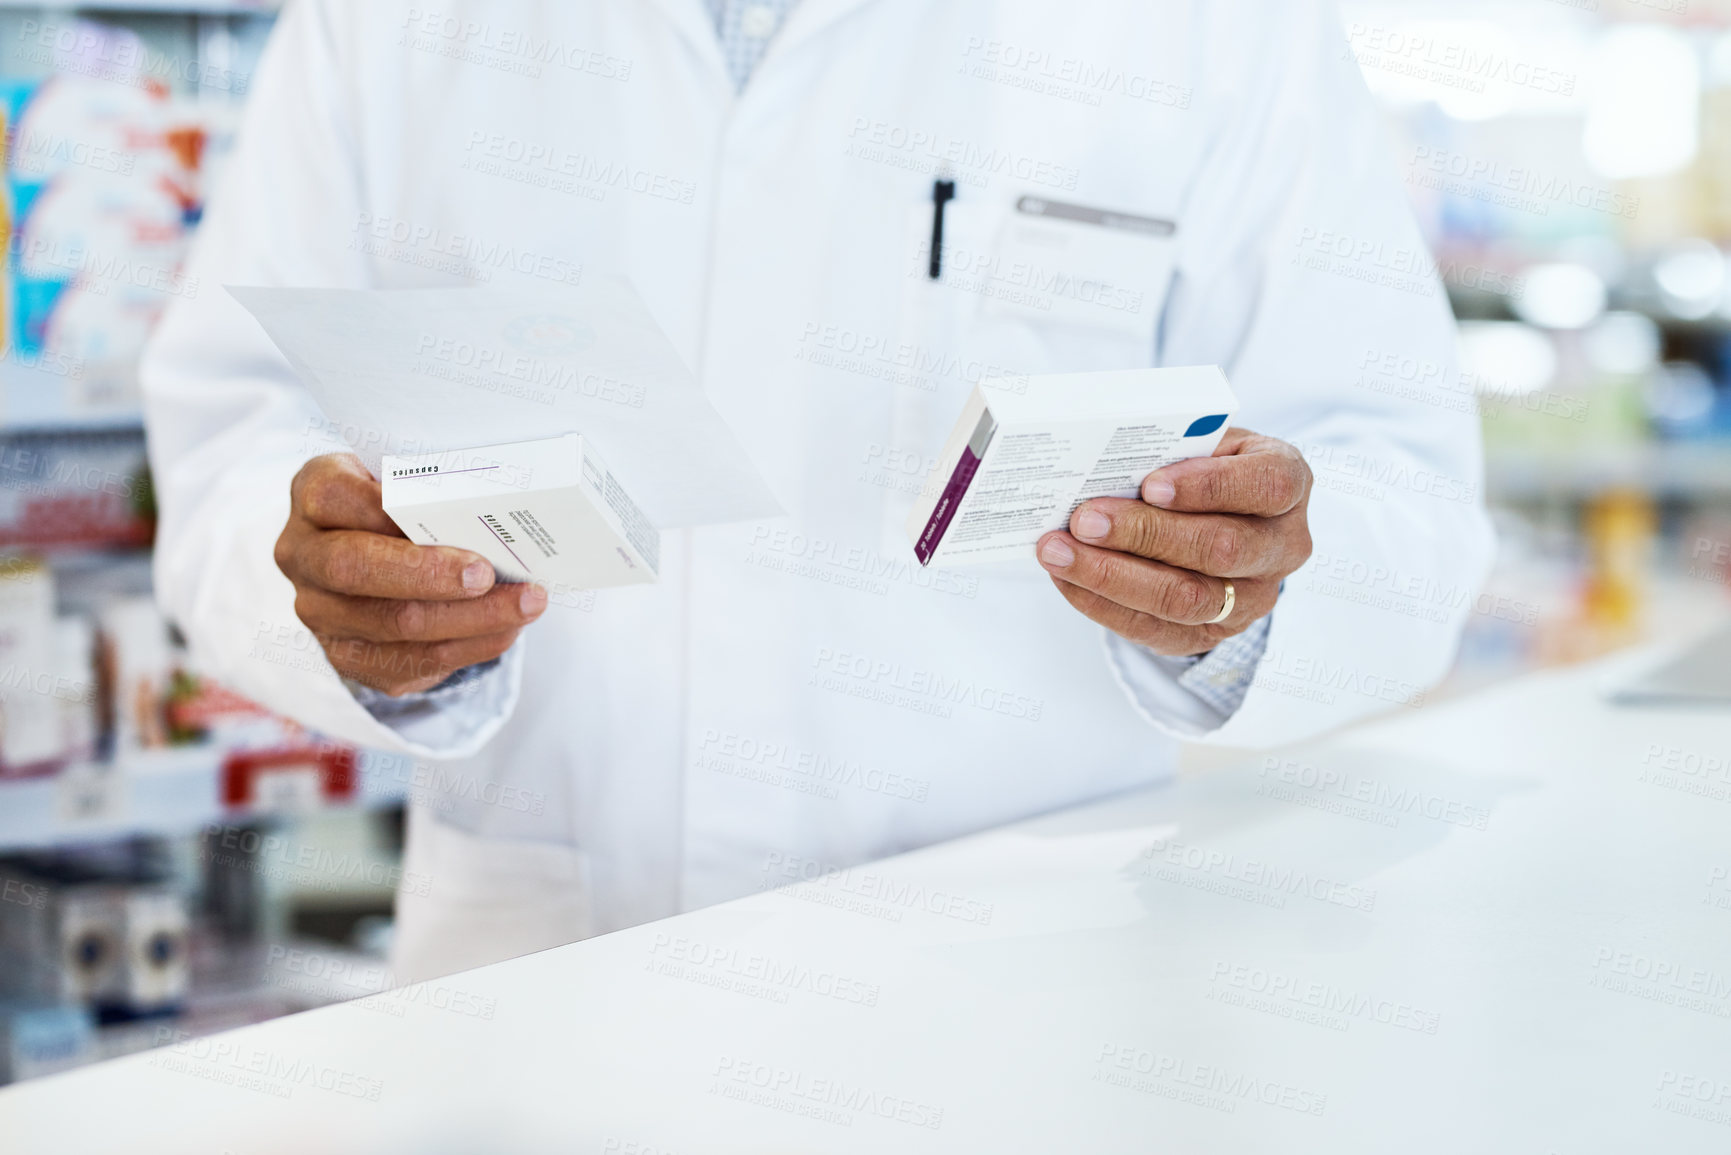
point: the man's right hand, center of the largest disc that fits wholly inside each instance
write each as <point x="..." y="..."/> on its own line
<point x="390" y="614"/>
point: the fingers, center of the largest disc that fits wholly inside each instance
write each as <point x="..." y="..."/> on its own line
<point x="412" y="667"/>
<point x="1162" y="637"/>
<point x="1218" y="544"/>
<point x="1248" y="474"/>
<point x="365" y="564"/>
<point x="336" y="492"/>
<point x="1150" y="587"/>
<point x="390" y="614"/>
<point x="505" y="607"/>
<point x="1153" y="570"/>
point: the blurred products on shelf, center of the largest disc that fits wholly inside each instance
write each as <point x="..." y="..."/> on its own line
<point x="75" y="489"/>
<point x="32" y="721"/>
<point x="103" y="935"/>
<point x="1620" y="527"/>
<point x="75" y="686"/>
<point x="1578" y="213"/>
<point x="138" y="666"/>
<point x="43" y="1039"/>
<point x="106" y="167"/>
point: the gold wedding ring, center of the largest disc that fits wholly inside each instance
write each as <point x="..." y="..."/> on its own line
<point x="1225" y="610"/>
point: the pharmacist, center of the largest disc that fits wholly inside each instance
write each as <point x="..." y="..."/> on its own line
<point x="1125" y="183"/>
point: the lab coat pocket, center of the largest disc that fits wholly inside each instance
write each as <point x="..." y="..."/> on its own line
<point x="1084" y="269"/>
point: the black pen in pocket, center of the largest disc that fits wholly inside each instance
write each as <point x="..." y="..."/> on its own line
<point x="943" y="191"/>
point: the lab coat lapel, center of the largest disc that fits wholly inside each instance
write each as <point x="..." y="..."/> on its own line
<point x="695" y="24"/>
<point x="808" y="18"/>
<point x="812" y="16"/>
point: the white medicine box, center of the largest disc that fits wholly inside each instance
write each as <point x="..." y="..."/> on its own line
<point x="545" y="511"/>
<point x="1027" y="451"/>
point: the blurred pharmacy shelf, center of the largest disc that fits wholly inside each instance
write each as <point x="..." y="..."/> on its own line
<point x="165" y="793"/>
<point x="37" y="397"/>
<point x="1700" y="470"/>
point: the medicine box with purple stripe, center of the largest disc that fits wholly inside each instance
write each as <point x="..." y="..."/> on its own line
<point x="1028" y="450"/>
<point x="547" y="511"/>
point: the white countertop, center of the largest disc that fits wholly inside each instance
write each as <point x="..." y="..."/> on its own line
<point x="1503" y="925"/>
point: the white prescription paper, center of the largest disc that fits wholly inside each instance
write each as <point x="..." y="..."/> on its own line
<point x="416" y="371"/>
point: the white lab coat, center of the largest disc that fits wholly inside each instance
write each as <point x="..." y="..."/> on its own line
<point x="795" y="695"/>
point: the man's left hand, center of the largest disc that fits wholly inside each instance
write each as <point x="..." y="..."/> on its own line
<point x="1154" y="570"/>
